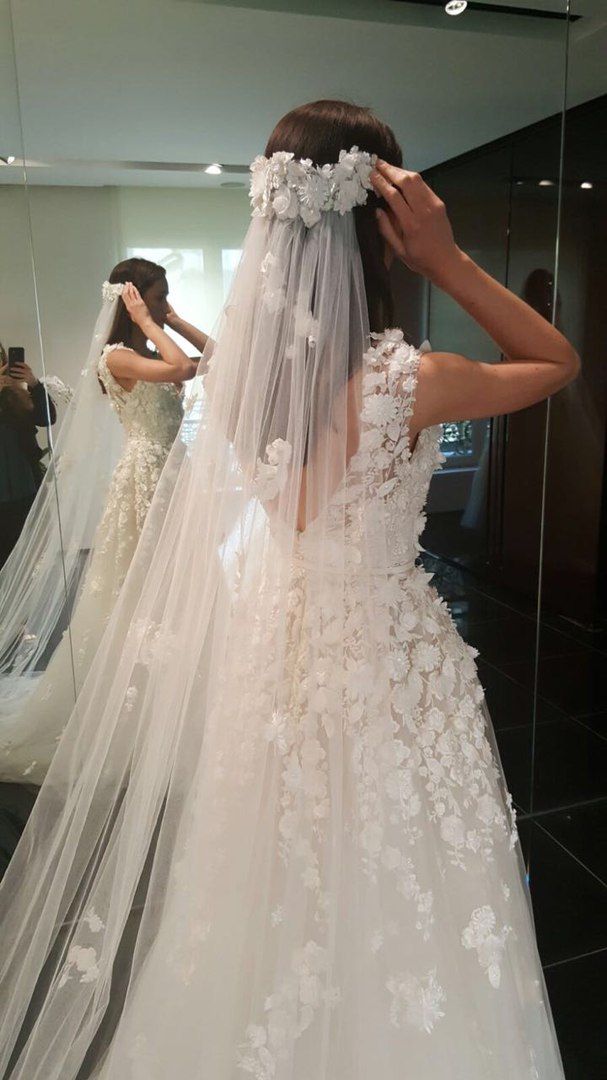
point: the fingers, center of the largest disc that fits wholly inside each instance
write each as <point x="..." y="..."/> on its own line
<point x="394" y="199"/>
<point x="411" y="185"/>
<point x="130" y="296"/>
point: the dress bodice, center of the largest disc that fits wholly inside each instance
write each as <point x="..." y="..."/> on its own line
<point x="150" y="411"/>
<point x="385" y="488"/>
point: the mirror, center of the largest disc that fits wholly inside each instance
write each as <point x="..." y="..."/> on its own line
<point x="568" y="793"/>
<point x="27" y="423"/>
<point x="139" y="123"/>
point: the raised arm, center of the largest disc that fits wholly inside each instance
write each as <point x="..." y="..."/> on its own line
<point x="173" y="364"/>
<point x="539" y="359"/>
<point x="191" y="333"/>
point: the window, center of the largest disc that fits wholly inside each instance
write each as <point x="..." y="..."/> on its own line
<point x="185" y="275"/>
<point x="230" y="257"/>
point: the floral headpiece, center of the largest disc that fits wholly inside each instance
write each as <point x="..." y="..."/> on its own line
<point x="110" y="291"/>
<point x="287" y="189"/>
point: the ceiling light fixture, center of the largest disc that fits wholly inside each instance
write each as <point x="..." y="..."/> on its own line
<point x="214" y="170"/>
<point x="8" y="160"/>
<point x="586" y="184"/>
<point x="456" y="7"/>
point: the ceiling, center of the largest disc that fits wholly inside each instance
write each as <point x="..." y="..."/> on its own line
<point x="149" y="91"/>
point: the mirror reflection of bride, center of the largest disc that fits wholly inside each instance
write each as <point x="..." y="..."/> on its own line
<point x="103" y="493"/>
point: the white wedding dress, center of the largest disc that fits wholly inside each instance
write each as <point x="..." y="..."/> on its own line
<point x="150" y="415"/>
<point x="371" y="918"/>
<point x="276" y="841"/>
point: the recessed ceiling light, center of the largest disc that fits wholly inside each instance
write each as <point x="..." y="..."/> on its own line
<point x="214" y="170"/>
<point x="455" y="7"/>
<point x="586" y="184"/>
<point x="546" y="183"/>
<point x="8" y="160"/>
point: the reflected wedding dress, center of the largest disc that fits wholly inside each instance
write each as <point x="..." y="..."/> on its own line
<point x="150" y="415"/>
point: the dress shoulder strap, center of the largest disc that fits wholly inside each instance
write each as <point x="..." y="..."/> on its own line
<point x="110" y="383"/>
<point x="394" y="368"/>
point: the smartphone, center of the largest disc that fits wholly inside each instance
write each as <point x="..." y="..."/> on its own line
<point x="16" y="355"/>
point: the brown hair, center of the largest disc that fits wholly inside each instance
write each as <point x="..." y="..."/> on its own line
<point x="143" y="274"/>
<point x="319" y="130"/>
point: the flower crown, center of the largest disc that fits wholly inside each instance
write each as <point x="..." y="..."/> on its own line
<point x="285" y="188"/>
<point x="110" y="291"/>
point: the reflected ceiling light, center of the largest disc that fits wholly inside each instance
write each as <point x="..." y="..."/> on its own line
<point x="455" y="7"/>
<point x="546" y="183"/>
<point x="8" y="160"/>
<point x="586" y="184"/>
<point x="214" y="170"/>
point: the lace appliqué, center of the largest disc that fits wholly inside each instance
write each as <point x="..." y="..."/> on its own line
<point x="290" y="1011"/>
<point x="416" y="1001"/>
<point x="481" y="934"/>
<point x="270" y="475"/>
<point x="82" y="960"/>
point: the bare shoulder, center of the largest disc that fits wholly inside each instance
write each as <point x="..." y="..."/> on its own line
<point x="435" y="371"/>
<point x="123" y="365"/>
<point x="117" y="354"/>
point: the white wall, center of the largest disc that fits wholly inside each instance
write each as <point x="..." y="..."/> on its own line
<point x="18" y="324"/>
<point x="79" y="234"/>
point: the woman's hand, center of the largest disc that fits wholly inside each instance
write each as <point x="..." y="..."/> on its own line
<point x="23" y="373"/>
<point x="4" y="375"/>
<point x="196" y="337"/>
<point x="173" y="318"/>
<point x="136" y="307"/>
<point x="415" y="223"/>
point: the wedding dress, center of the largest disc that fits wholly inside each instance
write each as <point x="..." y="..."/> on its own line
<point x="276" y="840"/>
<point x="150" y="415"/>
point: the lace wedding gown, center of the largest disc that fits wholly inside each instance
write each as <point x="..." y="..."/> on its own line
<point x="150" y="415"/>
<point x="369" y="918"/>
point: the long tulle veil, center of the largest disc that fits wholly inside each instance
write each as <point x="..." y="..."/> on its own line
<point x="235" y="865"/>
<point x="40" y="579"/>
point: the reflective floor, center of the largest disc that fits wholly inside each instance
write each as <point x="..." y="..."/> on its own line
<point x="563" y="819"/>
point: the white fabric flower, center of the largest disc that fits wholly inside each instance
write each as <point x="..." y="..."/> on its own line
<point x="289" y="189"/>
<point x="110" y="291"/>
<point x="271" y="474"/>
<point x="285" y="203"/>
<point x="57" y="387"/>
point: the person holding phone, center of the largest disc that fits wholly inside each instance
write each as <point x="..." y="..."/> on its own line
<point x="25" y="406"/>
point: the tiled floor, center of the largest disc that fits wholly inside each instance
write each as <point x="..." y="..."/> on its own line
<point x="555" y="760"/>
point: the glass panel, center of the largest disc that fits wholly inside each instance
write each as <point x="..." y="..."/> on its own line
<point x="27" y="420"/>
<point x="125" y="107"/>
<point x="569" y="792"/>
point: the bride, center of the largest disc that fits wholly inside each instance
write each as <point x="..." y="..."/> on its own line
<point x="144" y="389"/>
<point x="276" y="839"/>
